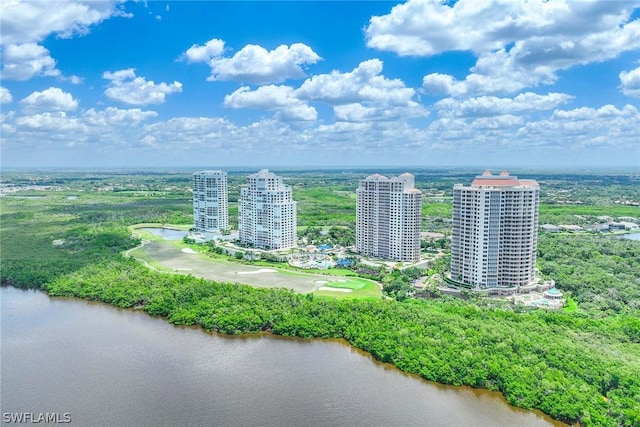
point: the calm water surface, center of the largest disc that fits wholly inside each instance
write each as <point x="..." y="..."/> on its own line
<point x="166" y="233"/>
<point x="112" y="367"/>
<point x="631" y="236"/>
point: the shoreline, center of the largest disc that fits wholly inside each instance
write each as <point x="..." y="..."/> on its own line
<point x="341" y="341"/>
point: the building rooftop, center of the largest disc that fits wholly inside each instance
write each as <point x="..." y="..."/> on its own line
<point x="503" y="180"/>
<point x="264" y="173"/>
<point x="210" y="172"/>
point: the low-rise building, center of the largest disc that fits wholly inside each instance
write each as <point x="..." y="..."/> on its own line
<point x="571" y="228"/>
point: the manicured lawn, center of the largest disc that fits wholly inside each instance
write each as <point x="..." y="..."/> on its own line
<point x="167" y="255"/>
<point x="360" y="288"/>
<point x="350" y="283"/>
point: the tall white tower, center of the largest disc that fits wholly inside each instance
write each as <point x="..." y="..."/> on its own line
<point x="388" y="217"/>
<point x="495" y="232"/>
<point x="267" y="212"/>
<point x="210" y="201"/>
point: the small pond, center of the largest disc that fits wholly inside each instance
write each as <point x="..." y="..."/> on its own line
<point x="166" y="233"/>
<point x="630" y="236"/>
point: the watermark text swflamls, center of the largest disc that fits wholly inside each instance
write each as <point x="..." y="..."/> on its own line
<point x="36" y="417"/>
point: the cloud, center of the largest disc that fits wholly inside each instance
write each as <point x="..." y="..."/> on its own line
<point x="630" y="82"/>
<point x="281" y="99"/>
<point x="493" y="106"/>
<point x="52" y="99"/>
<point x="562" y="133"/>
<point x="364" y="83"/>
<point x="25" y="23"/>
<point x="112" y="116"/>
<point x="607" y="126"/>
<point x="212" y="49"/>
<point x="32" y="21"/>
<point x="362" y="113"/>
<point x="557" y="138"/>
<point x="362" y="94"/>
<point x="55" y="123"/>
<point x="189" y="131"/>
<point x="429" y="27"/>
<point x="126" y="87"/>
<point x="22" y="62"/>
<point x="111" y="127"/>
<point x="254" y="64"/>
<point x="5" y="95"/>
<point x="519" y="44"/>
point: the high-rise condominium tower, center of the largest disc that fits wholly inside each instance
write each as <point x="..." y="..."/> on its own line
<point x="210" y="201"/>
<point x="267" y="213"/>
<point x="388" y="217"/>
<point x="495" y="232"/>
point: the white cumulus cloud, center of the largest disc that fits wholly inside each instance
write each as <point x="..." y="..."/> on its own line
<point x="112" y="116"/>
<point x="56" y="123"/>
<point x="24" y="61"/>
<point x="281" y="99"/>
<point x="211" y="49"/>
<point x="5" y="95"/>
<point x="257" y="65"/>
<point x="51" y="99"/>
<point x="32" y="21"/>
<point x="362" y="94"/>
<point x="25" y="23"/>
<point x="518" y="43"/>
<point x="607" y="126"/>
<point x="630" y="82"/>
<point x="429" y="27"/>
<point x="111" y="127"/>
<point x="493" y="106"/>
<point x="126" y="87"/>
<point x="364" y="83"/>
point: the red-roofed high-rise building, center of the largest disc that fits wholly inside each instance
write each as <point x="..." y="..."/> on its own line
<point x="495" y="232"/>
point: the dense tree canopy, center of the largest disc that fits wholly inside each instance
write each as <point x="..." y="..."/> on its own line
<point x="571" y="367"/>
<point x="581" y="365"/>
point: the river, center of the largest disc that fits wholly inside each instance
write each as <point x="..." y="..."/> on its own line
<point x="105" y="366"/>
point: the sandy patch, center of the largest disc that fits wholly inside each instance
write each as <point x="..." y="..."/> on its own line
<point x="321" y="282"/>
<point x="188" y="251"/>
<point x="262" y="270"/>
<point x="327" y="288"/>
<point x="342" y="281"/>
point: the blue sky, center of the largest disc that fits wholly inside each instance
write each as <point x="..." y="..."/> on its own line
<point x="419" y="83"/>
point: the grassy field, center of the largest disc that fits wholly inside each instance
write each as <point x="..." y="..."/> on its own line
<point x="170" y="256"/>
<point x="359" y="288"/>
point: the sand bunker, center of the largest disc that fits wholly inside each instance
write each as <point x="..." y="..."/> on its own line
<point x="262" y="270"/>
<point x="320" y="282"/>
<point x="188" y="251"/>
<point x="327" y="288"/>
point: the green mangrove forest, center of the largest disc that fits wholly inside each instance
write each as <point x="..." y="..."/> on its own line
<point x="65" y="233"/>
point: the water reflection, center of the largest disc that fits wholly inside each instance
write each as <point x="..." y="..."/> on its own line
<point x="108" y="367"/>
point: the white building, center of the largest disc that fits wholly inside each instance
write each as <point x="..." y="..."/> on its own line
<point x="210" y="201"/>
<point x="388" y="217"/>
<point x="267" y="212"/>
<point x="495" y="232"/>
